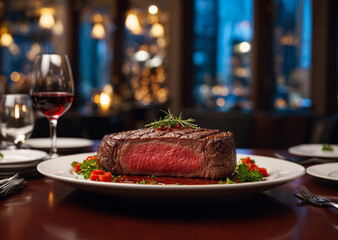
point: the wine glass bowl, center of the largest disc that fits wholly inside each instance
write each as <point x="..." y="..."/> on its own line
<point x="52" y="90"/>
<point x="17" y="118"/>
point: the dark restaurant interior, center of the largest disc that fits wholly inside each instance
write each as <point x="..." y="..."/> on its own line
<point x="265" y="70"/>
<point x="259" y="77"/>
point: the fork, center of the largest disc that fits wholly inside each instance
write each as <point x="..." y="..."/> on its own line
<point x="311" y="198"/>
<point x="3" y="181"/>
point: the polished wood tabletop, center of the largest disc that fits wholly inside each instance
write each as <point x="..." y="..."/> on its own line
<point x="49" y="209"/>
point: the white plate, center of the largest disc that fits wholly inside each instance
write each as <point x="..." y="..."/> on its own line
<point x="314" y="150"/>
<point x="61" y="143"/>
<point x="280" y="172"/>
<point x="327" y="171"/>
<point x="16" y="156"/>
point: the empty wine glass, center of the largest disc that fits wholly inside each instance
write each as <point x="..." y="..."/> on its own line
<point x="17" y="118"/>
<point x="52" y="90"/>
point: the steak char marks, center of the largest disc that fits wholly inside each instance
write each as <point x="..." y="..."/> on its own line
<point x="199" y="153"/>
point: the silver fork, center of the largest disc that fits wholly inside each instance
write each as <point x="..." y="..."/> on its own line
<point x="311" y="198"/>
<point x="3" y="181"/>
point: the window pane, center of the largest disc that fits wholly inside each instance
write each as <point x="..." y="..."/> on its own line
<point x="145" y="52"/>
<point x="223" y="33"/>
<point x="292" y="53"/>
<point x="95" y="57"/>
<point x="28" y="30"/>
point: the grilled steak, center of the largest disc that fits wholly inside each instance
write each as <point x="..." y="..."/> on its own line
<point x="200" y="153"/>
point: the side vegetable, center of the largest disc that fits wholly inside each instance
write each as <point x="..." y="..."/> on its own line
<point x="247" y="171"/>
<point x="91" y="170"/>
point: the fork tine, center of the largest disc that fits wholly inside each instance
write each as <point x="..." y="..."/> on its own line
<point x="304" y="192"/>
<point x="309" y="193"/>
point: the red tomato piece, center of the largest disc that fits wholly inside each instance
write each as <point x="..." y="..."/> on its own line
<point x="97" y="171"/>
<point x="246" y="160"/>
<point x="91" y="157"/>
<point x="263" y="171"/>
<point x="94" y="177"/>
<point x="104" y="178"/>
<point x="77" y="167"/>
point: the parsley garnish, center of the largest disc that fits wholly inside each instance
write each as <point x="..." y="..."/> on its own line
<point x="244" y="175"/>
<point x="87" y="167"/>
<point x="327" y="147"/>
<point x="1" y="155"/>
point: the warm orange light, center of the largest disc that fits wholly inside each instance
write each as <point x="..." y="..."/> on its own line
<point x="98" y="31"/>
<point x="6" y="40"/>
<point x="15" y="76"/>
<point x="157" y="30"/>
<point x="16" y="111"/>
<point x="105" y="101"/>
<point x="133" y="24"/>
<point x="47" y="19"/>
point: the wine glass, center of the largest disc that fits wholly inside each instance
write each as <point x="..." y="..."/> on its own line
<point x="52" y="90"/>
<point x="17" y="118"/>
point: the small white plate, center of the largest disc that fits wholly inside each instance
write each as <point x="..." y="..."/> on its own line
<point x="314" y="150"/>
<point x="61" y="143"/>
<point x="16" y="156"/>
<point x="327" y="171"/>
<point x="280" y="172"/>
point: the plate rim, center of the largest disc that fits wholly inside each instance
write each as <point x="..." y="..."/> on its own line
<point x="292" y="151"/>
<point x="309" y="170"/>
<point x="43" y="156"/>
<point x="86" y="143"/>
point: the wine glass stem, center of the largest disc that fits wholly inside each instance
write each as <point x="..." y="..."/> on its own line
<point x="52" y="127"/>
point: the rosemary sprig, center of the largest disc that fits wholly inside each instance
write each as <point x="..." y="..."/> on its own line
<point x="170" y="121"/>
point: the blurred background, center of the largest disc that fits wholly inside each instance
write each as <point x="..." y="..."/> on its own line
<point x="264" y="69"/>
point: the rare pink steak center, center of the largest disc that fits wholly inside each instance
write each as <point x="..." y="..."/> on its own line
<point x="160" y="157"/>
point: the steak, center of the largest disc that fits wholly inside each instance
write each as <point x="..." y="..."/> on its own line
<point x="198" y="153"/>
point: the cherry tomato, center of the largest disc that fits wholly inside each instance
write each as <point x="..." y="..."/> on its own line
<point x="169" y="128"/>
<point x="178" y="126"/>
<point x="77" y="167"/>
<point x="91" y="157"/>
<point x="160" y="128"/>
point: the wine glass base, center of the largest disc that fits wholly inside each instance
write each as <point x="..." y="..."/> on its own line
<point x="53" y="155"/>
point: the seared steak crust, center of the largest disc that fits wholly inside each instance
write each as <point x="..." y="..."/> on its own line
<point x="200" y="153"/>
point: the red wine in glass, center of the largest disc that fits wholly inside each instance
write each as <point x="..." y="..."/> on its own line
<point x="52" y="90"/>
<point x="52" y="104"/>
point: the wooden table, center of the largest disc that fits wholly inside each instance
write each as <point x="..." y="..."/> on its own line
<point x="48" y="209"/>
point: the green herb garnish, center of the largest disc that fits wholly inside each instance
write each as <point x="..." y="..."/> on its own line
<point x="327" y="147"/>
<point x="87" y="167"/>
<point x="170" y="121"/>
<point x="244" y="175"/>
<point x="1" y="155"/>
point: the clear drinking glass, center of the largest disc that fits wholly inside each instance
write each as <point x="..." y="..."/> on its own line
<point x="17" y="118"/>
<point x="52" y="90"/>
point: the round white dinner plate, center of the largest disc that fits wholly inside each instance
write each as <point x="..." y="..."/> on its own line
<point x="20" y="156"/>
<point x="314" y="150"/>
<point x="280" y="172"/>
<point x="327" y="171"/>
<point x="61" y="143"/>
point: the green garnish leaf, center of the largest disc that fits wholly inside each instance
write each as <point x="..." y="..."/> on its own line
<point x="327" y="147"/>
<point x="171" y="121"/>
<point x="244" y="175"/>
<point x="1" y="155"/>
<point x="229" y="181"/>
<point x="87" y="167"/>
<point x="221" y="182"/>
